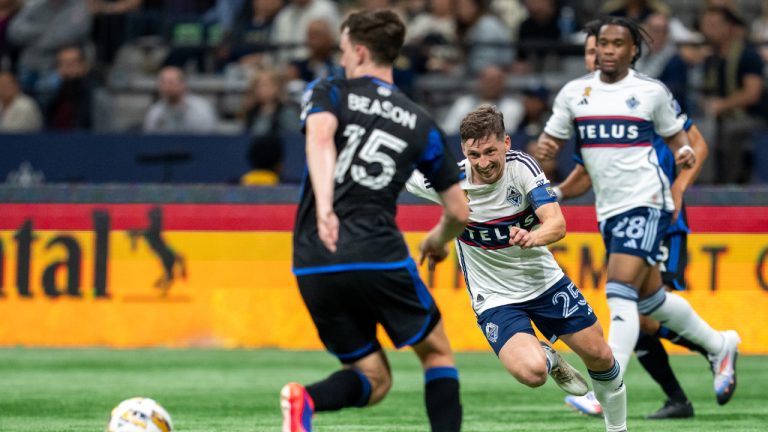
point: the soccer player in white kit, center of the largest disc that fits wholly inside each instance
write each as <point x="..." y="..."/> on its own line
<point x="614" y="112"/>
<point x="513" y="279"/>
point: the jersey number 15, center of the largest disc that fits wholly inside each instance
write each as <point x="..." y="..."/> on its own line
<point x="370" y="153"/>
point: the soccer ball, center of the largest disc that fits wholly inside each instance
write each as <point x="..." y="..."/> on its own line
<point x="139" y="414"/>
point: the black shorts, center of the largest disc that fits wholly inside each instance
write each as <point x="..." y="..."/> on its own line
<point x="347" y="305"/>
<point x="674" y="252"/>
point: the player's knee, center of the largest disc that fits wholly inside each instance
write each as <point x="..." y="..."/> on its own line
<point x="380" y="386"/>
<point x="531" y="374"/>
<point x="533" y="378"/>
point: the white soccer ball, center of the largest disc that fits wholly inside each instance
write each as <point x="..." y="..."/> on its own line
<point x="139" y="414"/>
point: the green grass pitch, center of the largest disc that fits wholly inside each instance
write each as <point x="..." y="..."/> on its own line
<point x="237" y="390"/>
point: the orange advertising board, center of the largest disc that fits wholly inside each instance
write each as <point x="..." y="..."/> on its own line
<point x="220" y="275"/>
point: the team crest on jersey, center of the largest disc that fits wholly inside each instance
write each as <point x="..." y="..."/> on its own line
<point x="383" y="91"/>
<point x="632" y="102"/>
<point x="492" y="332"/>
<point x="513" y="196"/>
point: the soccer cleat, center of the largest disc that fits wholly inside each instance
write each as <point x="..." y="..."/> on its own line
<point x="297" y="407"/>
<point x="673" y="410"/>
<point x="566" y="376"/>
<point x="724" y="367"/>
<point x="586" y="404"/>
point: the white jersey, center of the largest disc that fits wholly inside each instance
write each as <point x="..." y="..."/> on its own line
<point x="495" y="272"/>
<point x="614" y="126"/>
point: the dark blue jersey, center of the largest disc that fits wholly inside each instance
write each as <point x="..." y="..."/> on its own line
<point x="667" y="161"/>
<point x="381" y="137"/>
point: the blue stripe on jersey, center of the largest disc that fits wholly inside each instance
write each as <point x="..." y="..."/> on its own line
<point x="334" y="96"/>
<point x="613" y="131"/>
<point x="432" y="158"/>
<point x="425" y="298"/>
<point x="334" y="268"/>
<point x="541" y="195"/>
<point x="495" y="234"/>
<point x="667" y="163"/>
<point x="674" y="254"/>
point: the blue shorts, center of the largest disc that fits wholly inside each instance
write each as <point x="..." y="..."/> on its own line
<point x="558" y="311"/>
<point x="636" y="232"/>
<point x="674" y="259"/>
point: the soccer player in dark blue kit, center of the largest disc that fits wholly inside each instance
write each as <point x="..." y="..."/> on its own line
<point x="364" y="138"/>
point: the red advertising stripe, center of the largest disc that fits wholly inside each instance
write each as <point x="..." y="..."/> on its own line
<point x="279" y="217"/>
<point x="176" y="217"/>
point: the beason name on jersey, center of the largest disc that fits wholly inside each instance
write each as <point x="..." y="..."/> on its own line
<point x="614" y="126"/>
<point x="495" y="272"/>
<point x="381" y="137"/>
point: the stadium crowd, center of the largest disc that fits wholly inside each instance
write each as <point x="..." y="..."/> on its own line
<point x="240" y="66"/>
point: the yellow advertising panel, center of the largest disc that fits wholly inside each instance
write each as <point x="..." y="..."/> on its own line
<point x="234" y="288"/>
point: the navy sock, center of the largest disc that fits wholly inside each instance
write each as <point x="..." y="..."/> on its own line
<point x="680" y="340"/>
<point x="652" y="355"/>
<point x="441" y="396"/>
<point x="342" y="389"/>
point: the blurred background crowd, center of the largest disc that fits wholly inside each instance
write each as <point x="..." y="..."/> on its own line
<point x="213" y="67"/>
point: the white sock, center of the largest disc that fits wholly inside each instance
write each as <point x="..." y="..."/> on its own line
<point x="677" y="314"/>
<point x="624" y="329"/>
<point x="611" y="392"/>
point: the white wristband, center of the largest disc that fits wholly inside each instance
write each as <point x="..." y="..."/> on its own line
<point x="558" y="193"/>
<point x="686" y="148"/>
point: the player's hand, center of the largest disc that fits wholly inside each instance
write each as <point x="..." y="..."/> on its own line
<point x="677" y="198"/>
<point x="685" y="157"/>
<point x="521" y="237"/>
<point x="328" y="229"/>
<point x="432" y="252"/>
<point x="545" y="148"/>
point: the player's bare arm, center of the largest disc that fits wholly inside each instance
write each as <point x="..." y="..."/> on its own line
<point x="321" y="162"/>
<point x="547" y="147"/>
<point x="686" y="177"/>
<point x="685" y="157"/>
<point x="576" y="184"/>
<point x="551" y="229"/>
<point x="455" y="216"/>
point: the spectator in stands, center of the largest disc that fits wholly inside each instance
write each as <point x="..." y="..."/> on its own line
<point x="110" y="26"/>
<point x="72" y="104"/>
<point x="292" y="22"/>
<point x="320" y="62"/>
<point x="18" y="112"/>
<point x="250" y="39"/>
<point x="265" y="107"/>
<point x="178" y="111"/>
<point x="640" y="10"/>
<point x="484" y="37"/>
<point x="537" y="34"/>
<point x="41" y="28"/>
<point x="536" y="111"/>
<point x="489" y="90"/>
<point x="737" y="97"/>
<point x="759" y="32"/>
<point x="265" y="156"/>
<point x="431" y="39"/>
<point x="8" y="53"/>
<point x="663" y="61"/>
